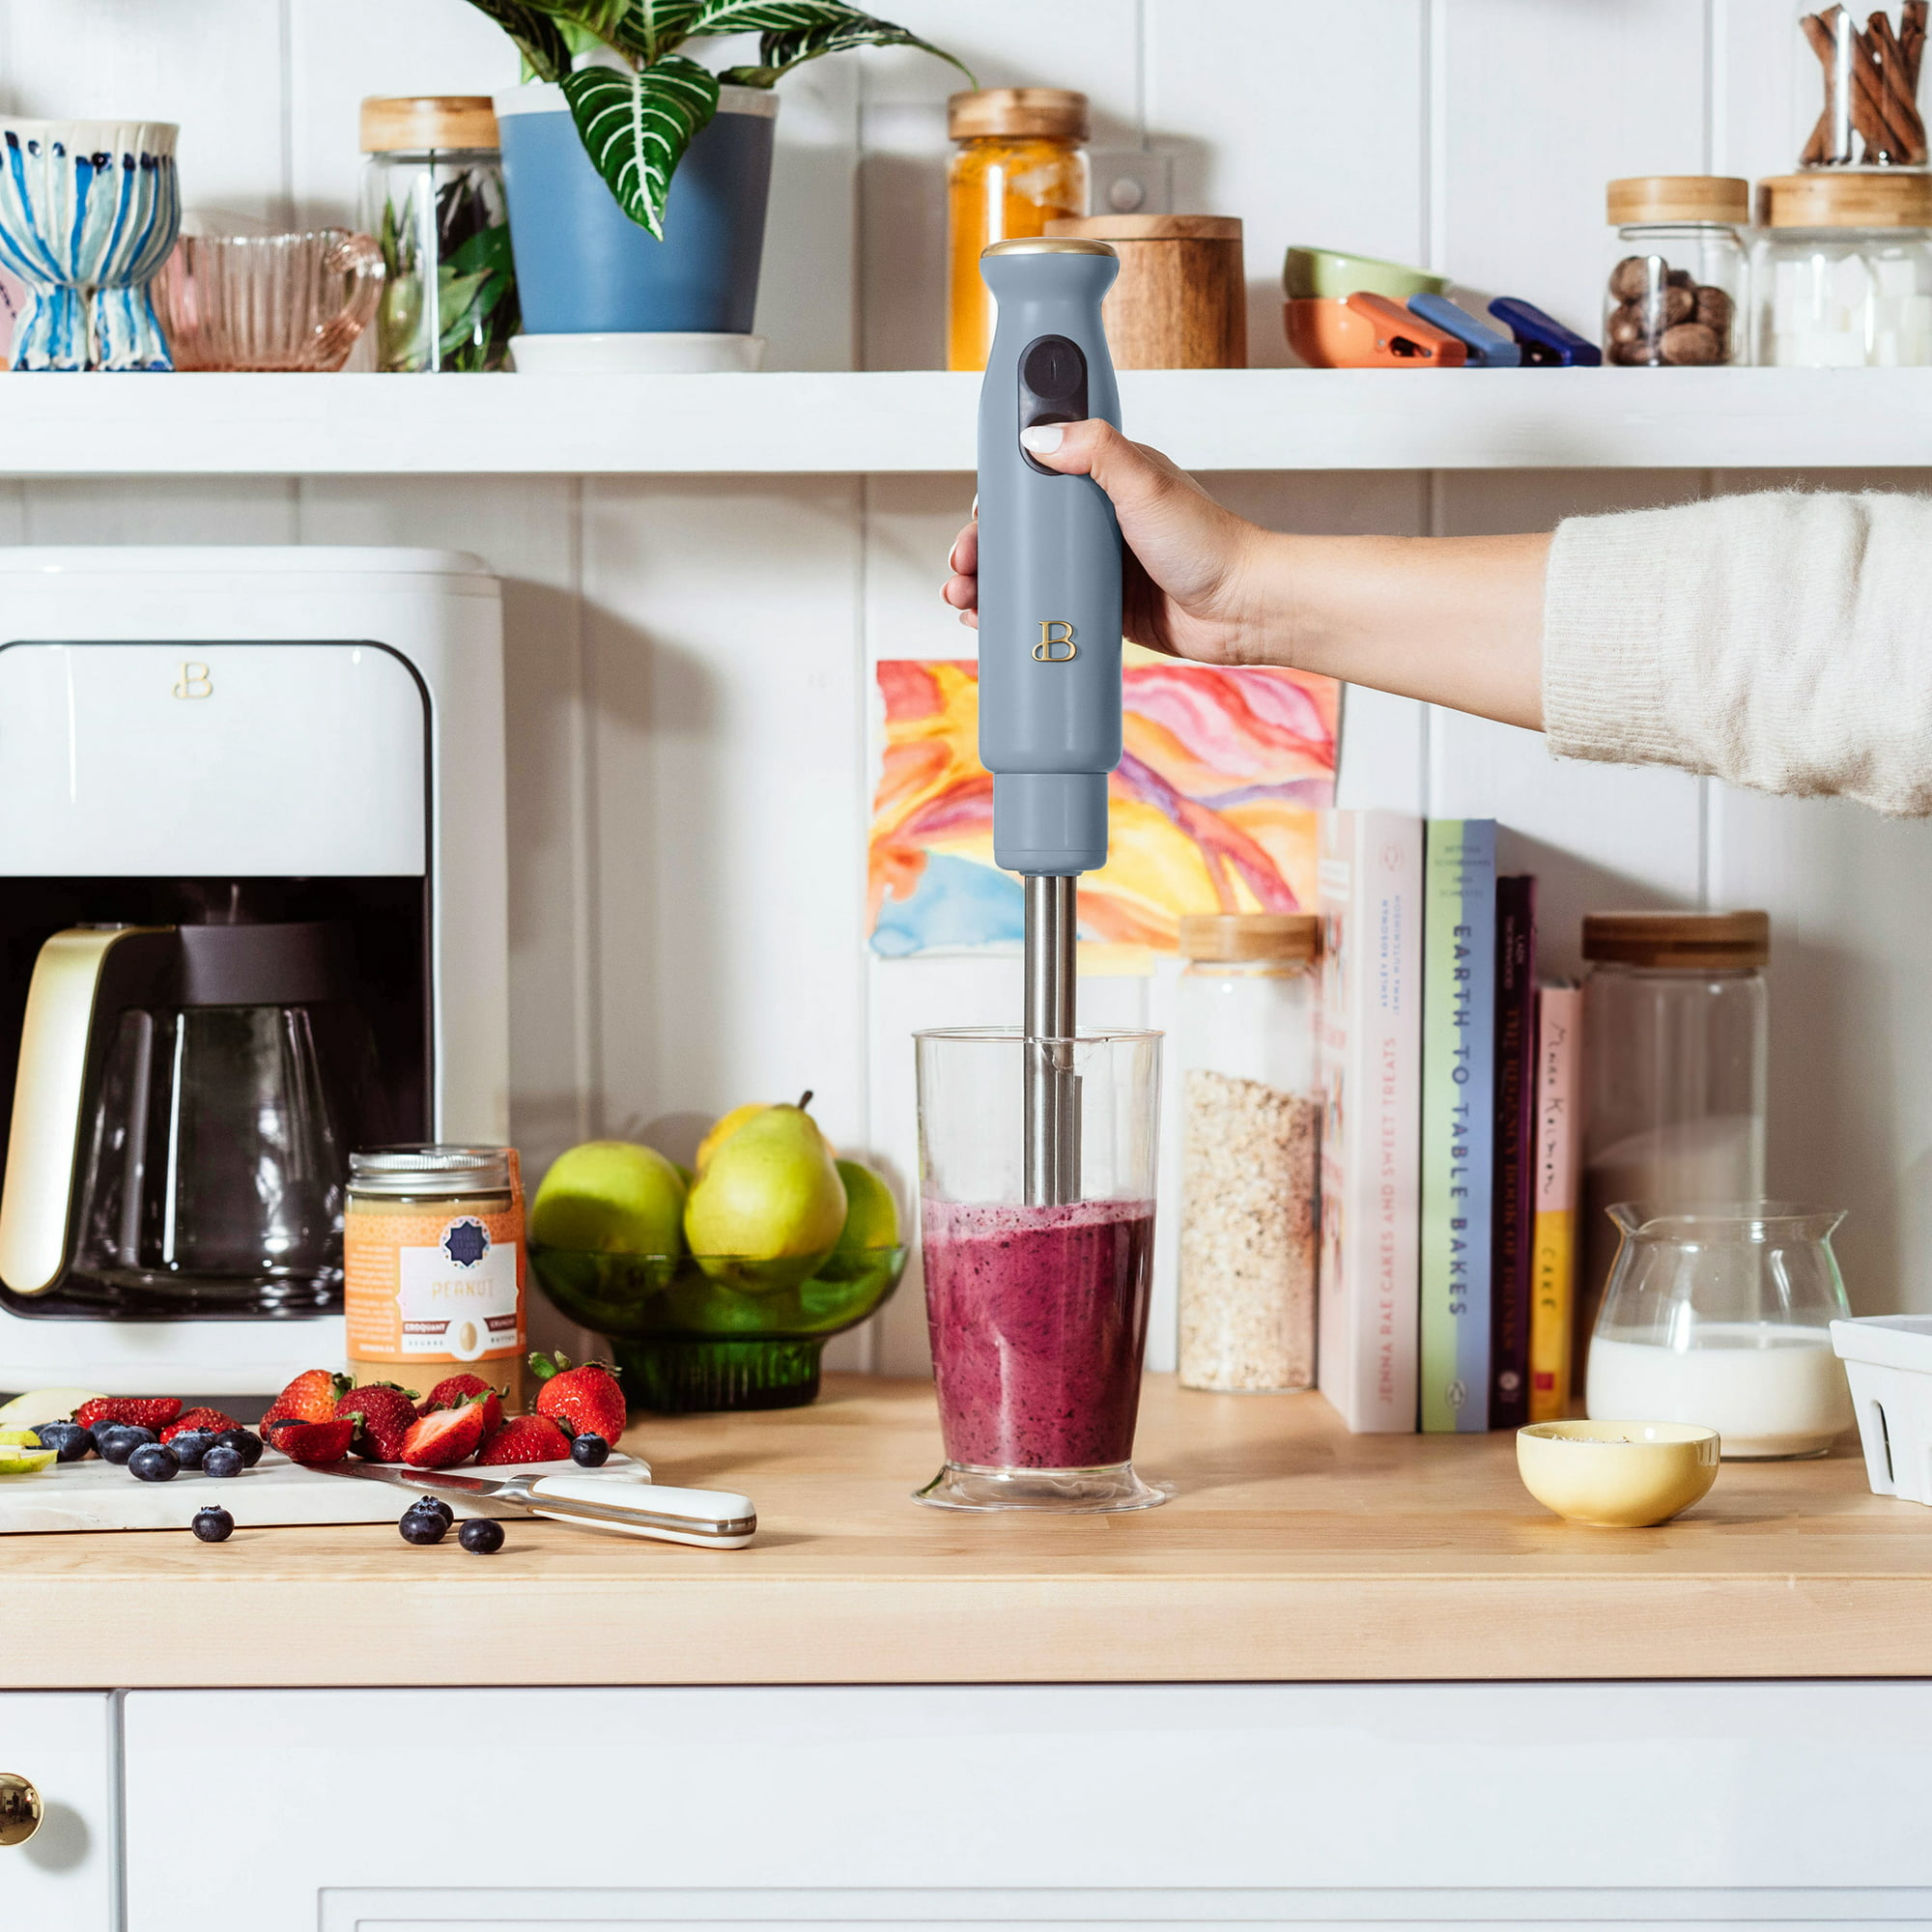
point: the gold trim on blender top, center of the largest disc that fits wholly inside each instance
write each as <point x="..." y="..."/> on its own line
<point x="1048" y="245"/>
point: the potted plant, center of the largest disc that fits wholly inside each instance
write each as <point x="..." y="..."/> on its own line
<point x="616" y="115"/>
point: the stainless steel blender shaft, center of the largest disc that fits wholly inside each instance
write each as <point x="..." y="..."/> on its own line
<point x="1052" y="1146"/>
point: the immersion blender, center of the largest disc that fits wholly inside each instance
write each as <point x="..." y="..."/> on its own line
<point x="1049" y="650"/>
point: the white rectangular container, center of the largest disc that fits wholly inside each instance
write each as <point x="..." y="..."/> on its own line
<point x="1887" y="1360"/>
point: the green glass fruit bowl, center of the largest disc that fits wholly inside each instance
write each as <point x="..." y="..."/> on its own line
<point x="725" y="1332"/>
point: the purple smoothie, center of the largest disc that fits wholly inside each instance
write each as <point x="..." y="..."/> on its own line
<point x="1037" y="1316"/>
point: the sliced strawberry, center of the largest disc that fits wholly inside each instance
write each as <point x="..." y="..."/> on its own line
<point x="310" y="1398"/>
<point x="142" y="1411"/>
<point x="382" y="1414"/>
<point x="455" y="1389"/>
<point x="213" y="1419"/>
<point x="582" y="1401"/>
<point x="445" y="1436"/>
<point x="526" y="1438"/>
<point x="314" y="1441"/>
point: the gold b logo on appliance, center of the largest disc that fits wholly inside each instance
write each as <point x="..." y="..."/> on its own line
<point x="1056" y="642"/>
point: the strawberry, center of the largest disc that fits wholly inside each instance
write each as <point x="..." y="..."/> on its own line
<point x="142" y="1411"/>
<point x="584" y="1400"/>
<point x="454" y="1389"/>
<point x="215" y="1419"/>
<point x="314" y="1441"/>
<point x="445" y="1436"/>
<point x="310" y="1398"/>
<point x="526" y="1438"/>
<point x="382" y="1414"/>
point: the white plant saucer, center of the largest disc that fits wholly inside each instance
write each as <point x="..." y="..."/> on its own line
<point x="654" y="353"/>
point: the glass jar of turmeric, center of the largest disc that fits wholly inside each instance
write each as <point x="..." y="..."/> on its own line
<point x="1019" y="165"/>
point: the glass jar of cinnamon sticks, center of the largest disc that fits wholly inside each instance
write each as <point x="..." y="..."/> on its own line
<point x="1871" y="116"/>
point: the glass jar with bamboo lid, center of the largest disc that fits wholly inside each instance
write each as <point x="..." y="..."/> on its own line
<point x="1251" y="1108"/>
<point x="1018" y="165"/>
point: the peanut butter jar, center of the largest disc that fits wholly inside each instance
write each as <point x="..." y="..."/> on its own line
<point x="434" y="1267"/>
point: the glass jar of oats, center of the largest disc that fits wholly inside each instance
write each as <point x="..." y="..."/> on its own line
<point x="1250" y="1226"/>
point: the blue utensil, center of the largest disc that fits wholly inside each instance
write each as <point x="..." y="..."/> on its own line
<point x="1544" y="342"/>
<point x="1486" y="348"/>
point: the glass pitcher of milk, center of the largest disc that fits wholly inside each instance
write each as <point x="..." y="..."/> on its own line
<point x="1721" y="1315"/>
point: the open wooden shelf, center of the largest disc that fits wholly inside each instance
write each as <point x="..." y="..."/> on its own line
<point x="1256" y="419"/>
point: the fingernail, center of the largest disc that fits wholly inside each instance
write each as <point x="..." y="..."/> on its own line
<point x="952" y="558"/>
<point x="1043" y="439"/>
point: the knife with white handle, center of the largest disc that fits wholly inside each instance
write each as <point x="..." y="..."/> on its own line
<point x="710" y="1519"/>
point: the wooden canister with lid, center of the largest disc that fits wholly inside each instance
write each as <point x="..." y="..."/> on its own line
<point x="1182" y="298"/>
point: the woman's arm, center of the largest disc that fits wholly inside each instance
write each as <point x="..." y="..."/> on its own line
<point x="1457" y="620"/>
<point x="1782" y="641"/>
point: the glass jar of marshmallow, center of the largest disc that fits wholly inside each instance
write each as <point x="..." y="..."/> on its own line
<point x="1844" y="270"/>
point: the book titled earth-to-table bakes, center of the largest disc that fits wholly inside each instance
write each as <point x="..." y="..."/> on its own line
<point x="1458" y="1017"/>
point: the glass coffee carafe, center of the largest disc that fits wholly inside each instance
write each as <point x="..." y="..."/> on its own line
<point x="216" y="1145"/>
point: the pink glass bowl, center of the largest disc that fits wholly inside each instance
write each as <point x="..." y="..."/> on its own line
<point x="289" y="303"/>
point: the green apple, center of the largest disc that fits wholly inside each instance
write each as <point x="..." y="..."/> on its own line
<point x="39" y="1405"/>
<point x="610" y="1197"/>
<point x="871" y="1215"/>
<point x="769" y="1194"/>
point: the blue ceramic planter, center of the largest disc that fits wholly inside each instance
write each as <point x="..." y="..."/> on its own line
<point x="89" y="210"/>
<point x="584" y="267"/>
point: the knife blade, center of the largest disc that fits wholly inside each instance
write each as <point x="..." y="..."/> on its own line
<point x="709" y="1519"/>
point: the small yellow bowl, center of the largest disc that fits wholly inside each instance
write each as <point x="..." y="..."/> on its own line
<point x="1617" y="1475"/>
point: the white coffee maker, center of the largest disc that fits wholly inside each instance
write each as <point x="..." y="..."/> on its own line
<point x="252" y="914"/>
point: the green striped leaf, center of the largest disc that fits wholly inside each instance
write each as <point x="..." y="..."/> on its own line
<point x="781" y="49"/>
<point x="537" y="36"/>
<point x="636" y="127"/>
<point x="769" y="17"/>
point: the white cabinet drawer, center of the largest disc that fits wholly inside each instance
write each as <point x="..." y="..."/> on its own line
<point x="62" y="1878"/>
<point x="1036" y="1806"/>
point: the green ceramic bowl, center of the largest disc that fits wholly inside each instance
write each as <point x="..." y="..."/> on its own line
<point x="1309" y="273"/>
<point x="720" y="1333"/>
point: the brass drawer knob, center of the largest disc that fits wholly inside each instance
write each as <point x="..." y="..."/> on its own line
<point x="19" y="1810"/>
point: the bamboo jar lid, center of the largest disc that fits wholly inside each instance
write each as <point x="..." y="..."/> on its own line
<point x="404" y="123"/>
<point x="1693" y="940"/>
<point x="1641" y="198"/>
<point x="1049" y="113"/>
<point x="1149" y="227"/>
<point x="1846" y="198"/>
<point x="1228" y="938"/>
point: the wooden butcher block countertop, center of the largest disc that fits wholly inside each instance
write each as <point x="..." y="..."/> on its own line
<point x="1293" y="1550"/>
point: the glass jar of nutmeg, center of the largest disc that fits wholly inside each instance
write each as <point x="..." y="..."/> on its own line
<point x="1678" y="295"/>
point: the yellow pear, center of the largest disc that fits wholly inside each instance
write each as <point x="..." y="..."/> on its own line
<point x="727" y="1125"/>
<point x="610" y="1197"/>
<point x="769" y="1195"/>
<point x="871" y="1215"/>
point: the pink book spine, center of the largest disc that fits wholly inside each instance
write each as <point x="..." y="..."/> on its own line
<point x="1371" y="901"/>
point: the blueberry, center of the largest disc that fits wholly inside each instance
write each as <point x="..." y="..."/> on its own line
<point x="212" y="1525"/>
<point x="222" y="1461"/>
<point x="154" y="1462"/>
<point x="422" y="1525"/>
<point x="482" y="1535"/>
<point x="589" y="1451"/>
<point x="119" y="1443"/>
<point x="435" y="1507"/>
<point x="245" y="1441"/>
<point x="69" y="1440"/>
<point x="191" y="1445"/>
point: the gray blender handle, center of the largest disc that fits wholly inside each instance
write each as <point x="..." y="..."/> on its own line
<point x="1049" y="562"/>
<point x="82" y="979"/>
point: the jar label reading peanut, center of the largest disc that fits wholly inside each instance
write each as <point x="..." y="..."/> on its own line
<point x="440" y="1287"/>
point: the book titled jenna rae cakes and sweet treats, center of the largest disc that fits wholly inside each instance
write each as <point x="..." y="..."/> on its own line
<point x="1371" y="1044"/>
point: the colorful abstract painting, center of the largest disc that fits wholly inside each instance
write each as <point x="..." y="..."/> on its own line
<point x="1213" y="809"/>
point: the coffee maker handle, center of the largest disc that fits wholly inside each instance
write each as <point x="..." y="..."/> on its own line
<point x="82" y="979"/>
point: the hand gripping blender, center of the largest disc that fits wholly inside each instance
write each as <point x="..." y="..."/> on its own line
<point x="1049" y="649"/>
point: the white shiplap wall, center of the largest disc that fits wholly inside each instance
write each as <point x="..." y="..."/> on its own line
<point x="689" y="660"/>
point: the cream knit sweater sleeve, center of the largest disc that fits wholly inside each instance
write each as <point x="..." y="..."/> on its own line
<point x="1783" y="642"/>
